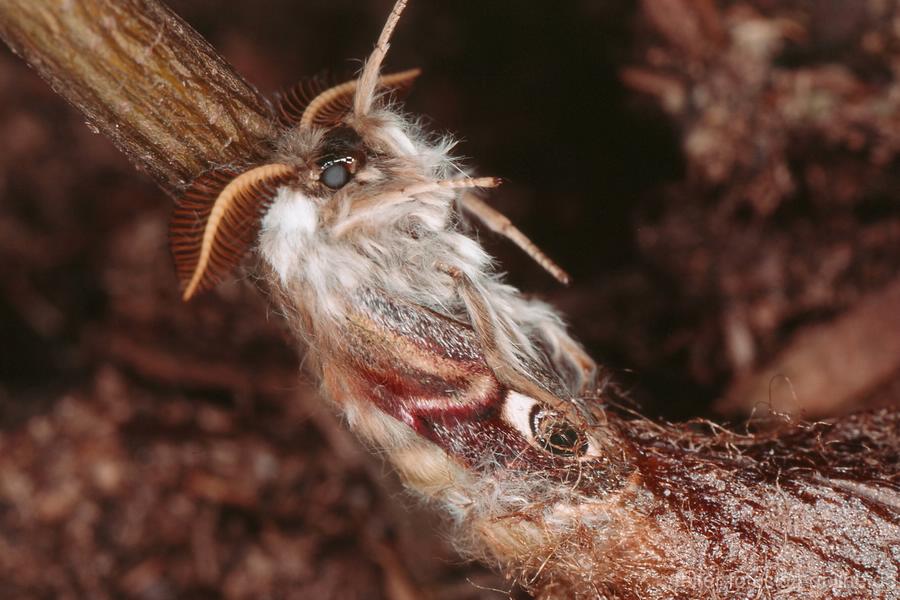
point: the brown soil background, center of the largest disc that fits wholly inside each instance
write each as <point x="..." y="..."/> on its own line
<point x="715" y="198"/>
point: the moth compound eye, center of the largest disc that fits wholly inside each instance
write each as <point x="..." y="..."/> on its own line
<point x="337" y="173"/>
<point x="543" y="427"/>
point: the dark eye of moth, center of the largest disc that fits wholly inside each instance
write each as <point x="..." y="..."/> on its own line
<point x="337" y="172"/>
<point x="555" y="434"/>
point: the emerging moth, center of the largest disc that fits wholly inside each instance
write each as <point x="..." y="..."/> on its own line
<point x="477" y="395"/>
<point x="358" y="202"/>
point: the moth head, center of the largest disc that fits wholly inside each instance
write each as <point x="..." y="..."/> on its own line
<point x="334" y="137"/>
<point x="339" y="141"/>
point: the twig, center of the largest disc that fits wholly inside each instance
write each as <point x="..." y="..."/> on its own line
<point x="144" y="79"/>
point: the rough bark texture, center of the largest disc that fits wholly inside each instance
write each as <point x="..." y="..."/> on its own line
<point x="144" y="79"/>
<point x="803" y="511"/>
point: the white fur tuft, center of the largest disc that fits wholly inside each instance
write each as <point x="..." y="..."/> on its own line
<point x="286" y="230"/>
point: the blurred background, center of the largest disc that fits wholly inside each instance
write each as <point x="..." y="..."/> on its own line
<point x="719" y="178"/>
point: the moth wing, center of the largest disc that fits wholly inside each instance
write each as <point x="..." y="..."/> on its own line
<point x="215" y="222"/>
<point x="314" y="101"/>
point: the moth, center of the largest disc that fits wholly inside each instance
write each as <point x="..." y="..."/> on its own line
<point x="356" y="217"/>
<point x="478" y="395"/>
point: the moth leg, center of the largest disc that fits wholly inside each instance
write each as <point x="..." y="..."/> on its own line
<point x="567" y="355"/>
<point x="505" y="368"/>
<point x="500" y="223"/>
<point x="569" y="358"/>
<point x="360" y="209"/>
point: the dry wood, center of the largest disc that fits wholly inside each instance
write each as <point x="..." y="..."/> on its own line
<point x="144" y="79"/>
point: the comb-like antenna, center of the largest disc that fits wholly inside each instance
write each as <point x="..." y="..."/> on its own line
<point x="309" y="104"/>
<point x="368" y="79"/>
<point x="216" y="220"/>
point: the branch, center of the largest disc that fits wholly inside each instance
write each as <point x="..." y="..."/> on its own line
<point x="144" y="79"/>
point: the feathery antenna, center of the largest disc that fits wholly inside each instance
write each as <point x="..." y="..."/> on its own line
<point x="368" y="79"/>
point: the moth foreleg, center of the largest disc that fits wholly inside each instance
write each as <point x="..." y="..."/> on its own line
<point x="569" y="359"/>
<point x="508" y="369"/>
<point x="500" y="223"/>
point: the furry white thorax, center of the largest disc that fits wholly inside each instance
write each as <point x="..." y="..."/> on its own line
<point x="396" y="252"/>
<point x="328" y="269"/>
<point x="288" y="227"/>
